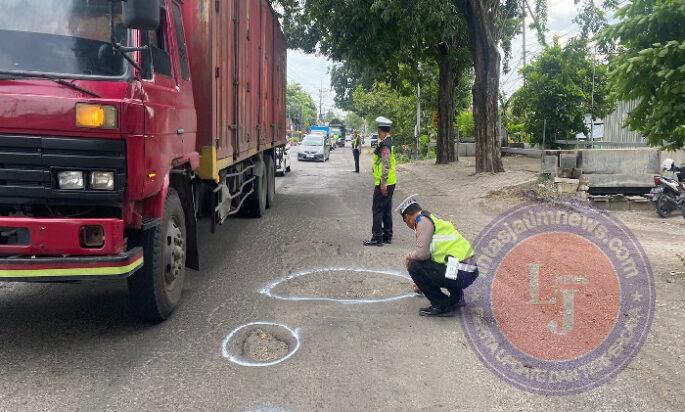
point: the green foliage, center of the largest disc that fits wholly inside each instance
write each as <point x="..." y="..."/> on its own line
<point x="466" y="124"/>
<point x="354" y="121"/>
<point x="329" y="116"/>
<point x="592" y="18"/>
<point x="300" y="107"/>
<point x="427" y="151"/>
<point x="649" y="67"/>
<point x="557" y="88"/>
<point x="383" y="100"/>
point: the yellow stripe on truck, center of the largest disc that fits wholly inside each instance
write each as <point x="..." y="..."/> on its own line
<point x="99" y="271"/>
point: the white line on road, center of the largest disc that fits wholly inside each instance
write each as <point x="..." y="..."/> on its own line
<point x="224" y="345"/>
<point x="268" y="290"/>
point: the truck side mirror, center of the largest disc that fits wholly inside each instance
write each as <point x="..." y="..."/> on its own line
<point x="142" y="14"/>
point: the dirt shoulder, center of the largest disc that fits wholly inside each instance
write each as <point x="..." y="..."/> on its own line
<point x="471" y="201"/>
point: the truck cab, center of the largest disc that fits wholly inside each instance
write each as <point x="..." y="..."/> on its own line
<point x="99" y="140"/>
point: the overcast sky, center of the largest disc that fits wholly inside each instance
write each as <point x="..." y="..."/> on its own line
<point x="311" y="70"/>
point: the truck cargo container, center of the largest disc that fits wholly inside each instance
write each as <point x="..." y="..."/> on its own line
<point x="122" y="123"/>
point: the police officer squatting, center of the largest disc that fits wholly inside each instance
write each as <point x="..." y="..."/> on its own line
<point x="442" y="258"/>
<point x="384" y="185"/>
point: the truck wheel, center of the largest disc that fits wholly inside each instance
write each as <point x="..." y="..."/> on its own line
<point x="270" y="169"/>
<point x="156" y="289"/>
<point x="255" y="204"/>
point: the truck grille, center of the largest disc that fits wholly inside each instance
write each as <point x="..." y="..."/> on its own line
<point x="29" y="166"/>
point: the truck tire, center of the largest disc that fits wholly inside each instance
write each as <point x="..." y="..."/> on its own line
<point x="270" y="169"/>
<point x="255" y="204"/>
<point x="156" y="289"/>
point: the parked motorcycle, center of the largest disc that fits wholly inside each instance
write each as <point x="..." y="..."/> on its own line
<point x="669" y="193"/>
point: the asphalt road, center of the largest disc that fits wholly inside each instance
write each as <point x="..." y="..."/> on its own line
<point x="75" y="346"/>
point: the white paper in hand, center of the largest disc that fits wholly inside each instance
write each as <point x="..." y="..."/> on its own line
<point x="452" y="268"/>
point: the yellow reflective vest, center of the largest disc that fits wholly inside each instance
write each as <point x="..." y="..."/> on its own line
<point x="378" y="164"/>
<point x="447" y="241"/>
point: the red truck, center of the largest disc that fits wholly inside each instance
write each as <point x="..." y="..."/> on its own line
<point x="121" y="124"/>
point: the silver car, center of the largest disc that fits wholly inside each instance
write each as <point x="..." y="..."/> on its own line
<point x="314" y="147"/>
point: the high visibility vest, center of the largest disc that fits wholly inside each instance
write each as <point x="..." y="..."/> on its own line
<point x="378" y="166"/>
<point x="355" y="142"/>
<point x="447" y="241"/>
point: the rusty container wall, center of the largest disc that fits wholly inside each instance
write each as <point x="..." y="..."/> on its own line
<point x="266" y="80"/>
<point x="255" y="67"/>
<point x="224" y="110"/>
<point x="242" y="79"/>
<point x="237" y="55"/>
<point x="280" y="84"/>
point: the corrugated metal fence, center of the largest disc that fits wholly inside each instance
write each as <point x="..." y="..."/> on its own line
<point x="614" y="129"/>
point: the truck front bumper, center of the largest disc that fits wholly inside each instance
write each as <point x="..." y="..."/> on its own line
<point x="23" y="269"/>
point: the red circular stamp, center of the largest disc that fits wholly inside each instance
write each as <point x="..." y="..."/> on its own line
<point x="564" y="301"/>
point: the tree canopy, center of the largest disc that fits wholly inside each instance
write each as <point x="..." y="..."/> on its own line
<point x="649" y="67"/>
<point x="557" y="92"/>
<point x="387" y="41"/>
<point x="300" y="107"/>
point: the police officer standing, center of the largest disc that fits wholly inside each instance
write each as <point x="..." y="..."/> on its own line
<point x="442" y="258"/>
<point x="356" y="149"/>
<point x="384" y="181"/>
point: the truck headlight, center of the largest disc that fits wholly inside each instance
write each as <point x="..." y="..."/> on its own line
<point x="102" y="180"/>
<point x="96" y="116"/>
<point x="70" y="180"/>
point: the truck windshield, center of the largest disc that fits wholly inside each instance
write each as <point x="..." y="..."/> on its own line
<point x="61" y="37"/>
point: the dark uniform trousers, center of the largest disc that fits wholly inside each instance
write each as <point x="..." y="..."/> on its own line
<point x="382" y="214"/>
<point x="429" y="276"/>
<point x="355" y="153"/>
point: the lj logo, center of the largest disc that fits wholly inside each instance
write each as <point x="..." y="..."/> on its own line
<point x="554" y="311"/>
<point x="567" y="305"/>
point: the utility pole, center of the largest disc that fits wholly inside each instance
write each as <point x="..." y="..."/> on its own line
<point x="537" y="23"/>
<point x="321" y="103"/>
<point x="525" y="14"/>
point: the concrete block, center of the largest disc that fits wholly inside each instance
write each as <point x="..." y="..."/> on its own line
<point x="565" y="180"/>
<point x="677" y="156"/>
<point x="601" y="201"/>
<point x="619" y="161"/>
<point x="566" y="186"/>
<point x="467" y="149"/>
<point x="639" y="203"/>
<point x="568" y="161"/>
<point x="549" y="165"/>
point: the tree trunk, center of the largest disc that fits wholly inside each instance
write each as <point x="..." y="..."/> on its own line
<point x="449" y="72"/>
<point x="483" y="42"/>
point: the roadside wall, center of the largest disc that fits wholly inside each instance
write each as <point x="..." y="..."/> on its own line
<point x="616" y="168"/>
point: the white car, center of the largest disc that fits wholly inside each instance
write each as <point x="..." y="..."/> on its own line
<point x="314" y="147"/>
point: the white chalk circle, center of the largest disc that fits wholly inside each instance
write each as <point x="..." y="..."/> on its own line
<point x="236" y="346"/>
<point x="271" y="289"/>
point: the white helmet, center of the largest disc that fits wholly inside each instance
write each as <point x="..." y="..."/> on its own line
<point x="667" y="164"/>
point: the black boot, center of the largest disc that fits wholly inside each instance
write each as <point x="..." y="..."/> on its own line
<point x="432" y="311"/>
<point x="373" y="242"/>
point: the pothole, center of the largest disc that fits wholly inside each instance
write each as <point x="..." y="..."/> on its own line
<point x="342" y="285"/>
<point x="260" y="344"/>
